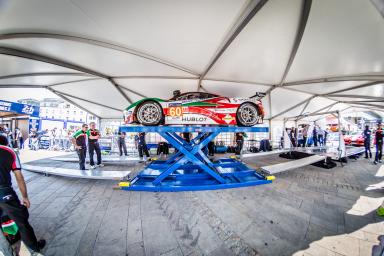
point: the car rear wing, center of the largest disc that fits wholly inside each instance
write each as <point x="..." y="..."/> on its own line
<point x="258" y="95"/>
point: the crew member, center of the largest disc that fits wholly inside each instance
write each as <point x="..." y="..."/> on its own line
<point x="379" y="144"/>
<point x="121" y="143"/>
<point x="79" y="141"/>
<point x="186" y="136"/>
<point x="305" y="135"/>
<point x="320" y="136"/>
<point x="314" y="135"/>
<point x="141" y="145"/>
<point x="176" y="93"/>
<point x="367" y="141"/>
<point x="239" y="137"/>
<point x="93" y="144"/>
<point x="9" y="201"/>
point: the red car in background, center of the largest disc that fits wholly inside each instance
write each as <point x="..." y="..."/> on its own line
<point x="354" y="139"/>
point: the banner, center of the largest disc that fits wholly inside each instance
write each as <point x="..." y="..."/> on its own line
<point x="22" y="109"/>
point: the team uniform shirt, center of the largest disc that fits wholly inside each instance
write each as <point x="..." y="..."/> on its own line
<point x="140" y="138"/>
<point x="92" y="132"/>
<point x="80" y="137"/>
<point x="9" y="161"/>
<point x="379" y="136"/>
<point x="367" y="134"/>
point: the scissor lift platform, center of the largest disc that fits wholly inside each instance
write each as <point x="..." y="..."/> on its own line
<point x="189" y="168"/>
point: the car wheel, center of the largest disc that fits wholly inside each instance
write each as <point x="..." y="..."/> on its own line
<point x="247" y="115"/>
<point x="149" y="113"/>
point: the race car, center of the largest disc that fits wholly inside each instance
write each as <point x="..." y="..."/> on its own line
<point x="355" y="139"/>
<point x="199" y="108"/>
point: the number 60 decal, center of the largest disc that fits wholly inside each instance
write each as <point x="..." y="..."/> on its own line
<point x="176" y="111"/>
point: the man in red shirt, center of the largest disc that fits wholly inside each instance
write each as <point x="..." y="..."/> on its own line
<point x="9" y="202"/>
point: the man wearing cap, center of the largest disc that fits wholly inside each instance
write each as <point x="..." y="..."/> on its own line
<point x="93" y="144"/>
<point x="79" y="141"/>
<point x="9" y="201"/>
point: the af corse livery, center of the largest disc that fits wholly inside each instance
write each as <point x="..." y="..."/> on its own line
<point x="197" y="108"/>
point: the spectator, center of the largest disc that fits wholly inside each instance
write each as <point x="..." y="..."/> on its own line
<point x="314" y="135"/>
<point x="121" y="143"/>
<point x="320" y="136"/>
<point x="239" y="139"/>
<point x="367" y="141"/>
<point x="79" y="141"/>
<point x="93" y="144"/>
<point x="379" y="144"/>
<point x="9" y="201"/>
<point x="141" y="145"/>
<point x="305" y="135"/>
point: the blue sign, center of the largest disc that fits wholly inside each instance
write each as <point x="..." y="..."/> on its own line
<point x="23" y="109"/>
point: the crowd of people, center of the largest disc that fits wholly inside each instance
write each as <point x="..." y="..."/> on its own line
<point x="15" y="137"/>
<point x="300" y="138"/>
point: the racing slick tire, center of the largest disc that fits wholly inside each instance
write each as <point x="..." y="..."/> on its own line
<point x="247" y="114"/>
<point x="150" y="113"/>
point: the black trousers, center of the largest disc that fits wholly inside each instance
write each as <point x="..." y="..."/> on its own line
<point x="367" y="146"/>
<point x="122" y="146"/>
<point x="143" y="149"/>
<point x="82" y="153"/>
<point x="19" y="214"/>
<point x="94" y="146"/>
<point x="239" y="146"/>
<point x="379" y="151"/>
<point x="315" y="141"/>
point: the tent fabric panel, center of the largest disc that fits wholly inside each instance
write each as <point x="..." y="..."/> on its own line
<point x="41" y="80"/>
<point x="290" y="99"/>
<point x="158" y="88"/>
<point x="11" y="65"/>
<point x="232" y="89"/>
<point x="376" y="90"/>
<point x="97" y="109"/>
<point x="99" y="91"/>
<point x="268" y="37"/>
<point x="15" y="94"/>
<point x="103" y="60"/>
<point x="343" y="37"/>
<point x="324" y="88"/>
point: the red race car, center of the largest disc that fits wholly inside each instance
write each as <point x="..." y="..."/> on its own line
<point x="355" y="139"/>
<point x="197" y="108"/>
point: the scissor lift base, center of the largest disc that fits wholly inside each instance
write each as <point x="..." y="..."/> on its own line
<point x="190" y="169"/>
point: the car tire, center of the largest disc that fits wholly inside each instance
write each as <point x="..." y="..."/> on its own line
<point x="149" y="113"/>
<point x="247" y="114"/>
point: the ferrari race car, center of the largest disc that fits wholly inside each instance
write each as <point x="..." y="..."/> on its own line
<point x="197" y="108"/>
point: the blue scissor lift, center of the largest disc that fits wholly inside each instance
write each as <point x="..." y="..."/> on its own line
<point x="189" y="168"/>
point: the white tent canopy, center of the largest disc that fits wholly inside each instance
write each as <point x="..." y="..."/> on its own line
<point x="309" y="56"/>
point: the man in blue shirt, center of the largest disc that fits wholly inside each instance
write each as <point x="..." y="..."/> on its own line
<point x="141" y="145"/>
<point x="367" y="141"/>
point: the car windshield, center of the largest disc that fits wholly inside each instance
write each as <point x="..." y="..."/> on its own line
<point x="194" y="95"/>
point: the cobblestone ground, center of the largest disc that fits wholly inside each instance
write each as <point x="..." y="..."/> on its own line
<point x="306" y="211"/>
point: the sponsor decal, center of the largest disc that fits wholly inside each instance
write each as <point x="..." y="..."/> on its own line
<point x="194" y="119"/>
<point x="174" y="104"/>
<point x="228" y="119"/>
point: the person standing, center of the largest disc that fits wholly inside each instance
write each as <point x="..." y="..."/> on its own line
<point x="367" y="141"/>
<point x="186" y="136"/>
<point x="239" y="138"/>
<point x="94" y="146"/>
<point x="325" y="136"/>
<point x="9" y="201"/>
<point x="121" y="143"/>
<point x="79" y="141"/>
<point x="314" y="135"/>
<point x="320" y="136"/>
<point x="379" y="144"/>
<point x="141" y="145"/>
<point x="305" y="135"/>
